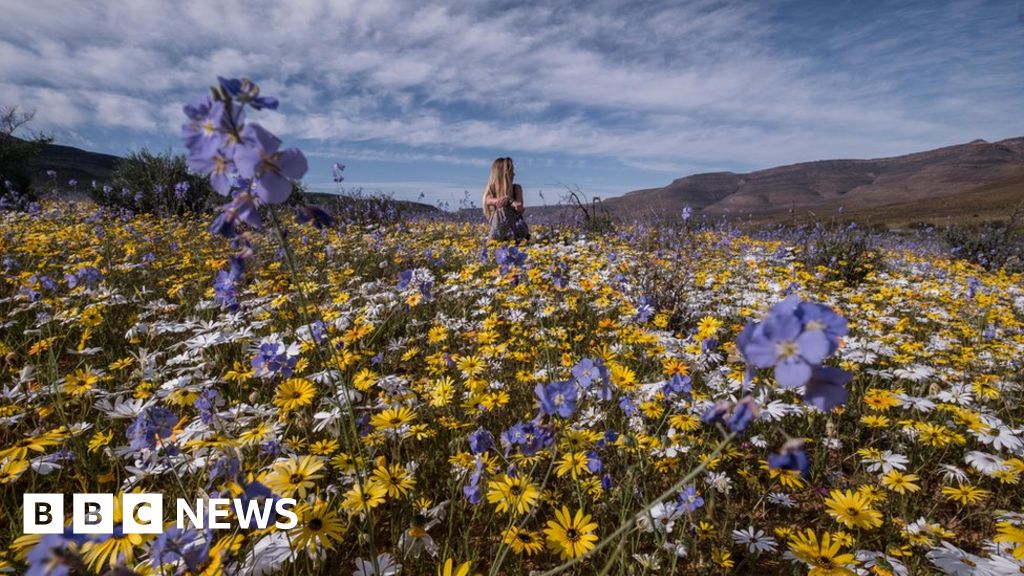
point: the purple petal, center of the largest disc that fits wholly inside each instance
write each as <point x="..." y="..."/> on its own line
<point x="292" y="163"/>
<point x="782" y="327"/>
<point x="261" y="137"/>
<point x="814" y="346"/>
<point x="827" y="388"/>
<point x="792" y="372"/>
<point x="247" y="159"/>
<point x="273" y="188"/>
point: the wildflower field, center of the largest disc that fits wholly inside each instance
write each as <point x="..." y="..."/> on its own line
<point x="686" y="399"/>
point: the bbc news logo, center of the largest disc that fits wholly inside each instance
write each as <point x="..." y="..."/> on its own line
<point x="144" y="513"/>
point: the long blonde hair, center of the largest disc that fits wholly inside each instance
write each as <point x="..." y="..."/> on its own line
<point x="499" y="185"/>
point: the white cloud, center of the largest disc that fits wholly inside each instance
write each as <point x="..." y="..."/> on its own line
<point x="655" y="85"/>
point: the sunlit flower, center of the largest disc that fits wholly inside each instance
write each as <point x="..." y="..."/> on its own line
<point x="294" y="476"/>
<point x="570" y="535"/>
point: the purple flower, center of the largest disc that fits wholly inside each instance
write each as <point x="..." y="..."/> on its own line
<point x="203" y="134"/>
<point x="557" y="398"/>
<point x="217" y="166"/>
<point x="181" y="189"/>
<point x="258" y="157"/>
<point x="481" y="441"/>
<point x="226" y="283"/>
<point x="242" y="208"/>
<point x="678" y="385"/>
<point x="207" y="403"/>
<point x="626" y="405"/>
<point x="594" y="463"/>
<point x="688" y="500"/>
<point x="528" y="436"/>
<point x="273" y="358"/>
<point x="315" y="215"/>
<point x="717" y="412"/>
<point x="151" y="426"/>
<point x="743" y="413"/>
<point x="185" y="545"/>
<point x="472" y="488"/>
<point x="245" y="90"/>
<point x="791" y="457"/>
<point x="784" y="341"/>
<point x="336" y="171"/>
<point x="52" y="557"/>
<point x="827" y="388"/>
<point x="644" y="310"/>
<point x="585" y="372"/>
<point x="508" y="257"/>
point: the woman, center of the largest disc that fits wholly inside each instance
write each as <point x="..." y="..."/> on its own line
<point x="503" y="203"/>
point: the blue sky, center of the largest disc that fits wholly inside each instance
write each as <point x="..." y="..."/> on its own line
<point x="419" y="97"/>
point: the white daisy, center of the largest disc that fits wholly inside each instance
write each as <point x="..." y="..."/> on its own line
<point x="872" y="558"/>
<point x="660" y="517"/>
<point x="755" y="540"/>
<point x="781" y="499"/>
<point x="954" y="561"/>
<point x="987" y="464"/>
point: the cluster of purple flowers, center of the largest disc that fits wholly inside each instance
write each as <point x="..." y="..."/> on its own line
<point x="274" y="358"/>
<point x="531" y="437"/>
<point x="644" y="310"/>
<point x="150" y="427"/>
<point x="419" y="278"/>
<point x="507" y="257"/>
<point x="87" y="276"/>
<point x="226" y="284"/>
<point x="794" y="339"/>
<point x="243" y="160"/>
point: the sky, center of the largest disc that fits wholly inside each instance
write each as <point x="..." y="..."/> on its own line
<point x="417" y="98"/>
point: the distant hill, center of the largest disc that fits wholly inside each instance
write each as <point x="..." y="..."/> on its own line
<point x="72" y="163"/>
<point x="975" y="180"/>
<point x="85" y="167"/>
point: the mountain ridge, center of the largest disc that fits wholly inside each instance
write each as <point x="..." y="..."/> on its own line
<point x="853" y="184"/>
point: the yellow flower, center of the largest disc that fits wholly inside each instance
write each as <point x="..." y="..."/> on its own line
<point x="823" y="555"/>
<point x="573" y="463"/>
<point x="294" y="476"/>
<point x="10" y="470"/>
<point x="853" y="509"/>
<point x="965" y="494"/>
<point x="362" y="498"/>
<point x="395" y="479"/>
<point x="80" y="382"/>
<point x="294" y="393"/>
<point x="20" y="449"/>
<point x="393" y="418"/>
<point x="441" y="392"/>
<point x="899" y="482"/>
<point x="324" y="447"/>
<point x="364" y="379"/>
<point x="448" y="568"/>
<point x="470" y="365"/>
<point x="570" y="536"/>
<point x="318" y="527"/>
<point x="100" y="439"/>
<point x="523" y="541"/>
<point x="115" y="548"/>
<point x="509" y="493"/>
<point x="1011" y="534"/>
<point x="722" y="557"/>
